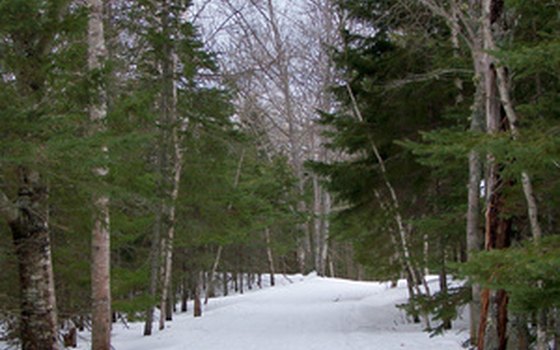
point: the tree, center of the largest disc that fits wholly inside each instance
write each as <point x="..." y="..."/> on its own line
<point x="31" y="32"/>
<point x="101" y="260"/>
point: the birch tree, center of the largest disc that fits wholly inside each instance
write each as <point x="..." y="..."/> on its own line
<point x="283" y="54"/>
<point x="26" y="58"/>
<point x="100" y="265"/>
<point x="163" y="228"/>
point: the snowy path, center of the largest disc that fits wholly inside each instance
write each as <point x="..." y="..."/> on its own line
<point x="312" y="313"/>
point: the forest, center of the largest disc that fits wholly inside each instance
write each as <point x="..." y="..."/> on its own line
<point x="156" y="152"/>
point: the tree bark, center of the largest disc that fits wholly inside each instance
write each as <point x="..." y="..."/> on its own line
<point x="101" y="250"/>
<point x="212" y="277"/>
<point x="197" y="285"/>
<point x="184" y="292"/>
<point x="177" y="170"/>
<point x="493" y="318"/>
<point x="225" y="283"/>
<point x="28" y="221"/>
<point x="474" y="236"/>
<point x="325" y="229"/>
<point x="443" y="287"/>
<point x="269" y="256"/>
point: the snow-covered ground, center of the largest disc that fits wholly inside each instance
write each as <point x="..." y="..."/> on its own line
<point x="304" y="314"/>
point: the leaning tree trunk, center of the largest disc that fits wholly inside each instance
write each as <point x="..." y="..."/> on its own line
<point x="394" y="206"/>
<point x="211" y="278"/>
<point x="28" y="221"/>
<point x="100" y="247"/>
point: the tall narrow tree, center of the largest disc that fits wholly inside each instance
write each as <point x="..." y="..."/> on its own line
<point x="100" y="247"/>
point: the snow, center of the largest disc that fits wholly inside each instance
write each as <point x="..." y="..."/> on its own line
<point x="301" y="313"/>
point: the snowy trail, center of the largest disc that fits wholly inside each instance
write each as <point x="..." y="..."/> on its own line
<point x="312" y="313"/>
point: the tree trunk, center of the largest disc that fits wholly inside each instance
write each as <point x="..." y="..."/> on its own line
<point x="542" y="343"/>
<point x="241" y="284"/>
<point x="167" y="163"/>
<point x="197" y="308"/>
<point x="394" y="203"/>
<point x="212" y="277"/>
<point x="502" y="82"/>
<point x="168" y="249"/>
<point x="443" y="288"/>
<point x="325" y="230"/>
<point x="184" y="292"/>
<point x="250" y="280"/>
<point x="225" y="283"/>
<point x="493" y="318"/>
<point x="556" y="340"/>
<point x="474" y="237"/>
<point x="170" y="305"/>
<point x="28" y="221"/>
<point x="269" y="256"/>
<point x="100" y="264"/>
<point x="154" y="271"/>
<point x="317" y="234"/>
<point x="220" y="248"/>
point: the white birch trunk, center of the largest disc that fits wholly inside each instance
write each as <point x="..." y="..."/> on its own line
<point x="177" y="161"/>
<point x="394" y="201"/>
<point x="318" y="239"/>
<point x="325" y="227"/>
<point x="269" y="256"/>
<point x="100" y="265"/>
<point x="28" y="221"/>
<point x="168" y="248"/>
<point x="211" y="277"/>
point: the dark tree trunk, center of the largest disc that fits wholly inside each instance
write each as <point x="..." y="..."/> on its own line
<point x="71" y="338"/>
<point x="240" y="282"/>
<point x="443" y="286"/>
<point x="169" y="305"/>
<point x="184" y="294"/>
<point x="225" y="283"/>
<point x="197" y="292"/>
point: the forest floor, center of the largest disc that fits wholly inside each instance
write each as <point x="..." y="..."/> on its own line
<point x="301" y="313"/>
